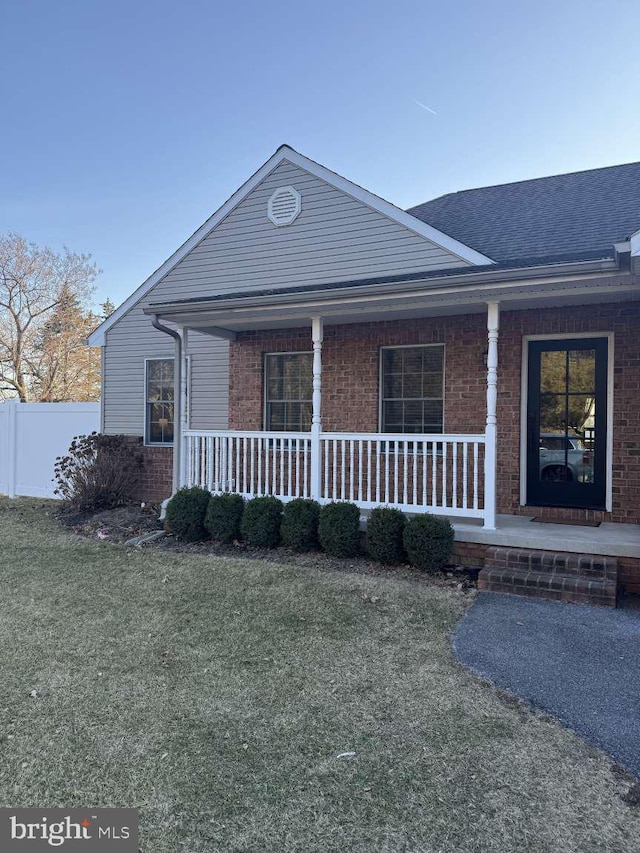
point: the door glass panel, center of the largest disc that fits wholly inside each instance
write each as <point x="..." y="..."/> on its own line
<point x="567" y="416"/>
<point x="582" y="371"/>
<point x="567" y="423"/>
<point x="553" y="414"/>
<point x="581" y="412"/>
<point x="553" y="371"/>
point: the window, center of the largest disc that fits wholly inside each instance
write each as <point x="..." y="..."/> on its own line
<point x="412" y="382"/>
<point x="288" y="391"/>
<point x="159" y="409"/>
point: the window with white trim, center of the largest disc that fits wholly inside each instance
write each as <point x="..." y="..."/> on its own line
<point x="159" y="406"/>
<point x="288" y="391"/>
<point x="412" y="389"/>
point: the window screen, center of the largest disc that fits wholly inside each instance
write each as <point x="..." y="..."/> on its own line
<point x="288" y="391"/>
<point x="412" y="389"/>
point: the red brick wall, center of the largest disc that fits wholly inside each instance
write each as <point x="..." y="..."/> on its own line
<point x="629" y="574"/>
<point x="622" y="319"/>
<point x="350" y="367"/>
<point x="156" y="477"/>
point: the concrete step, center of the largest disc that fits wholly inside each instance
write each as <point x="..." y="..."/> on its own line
<point x="553" y="562"/>
<point x="554" y="585"/>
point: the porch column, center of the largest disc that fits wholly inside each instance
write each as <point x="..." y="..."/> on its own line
<point x="316" y="418"/>
<point x="490" y="448"/>
<point x="183" y="409"/>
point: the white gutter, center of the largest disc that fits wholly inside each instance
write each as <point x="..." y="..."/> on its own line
<point x="437" y="286"/>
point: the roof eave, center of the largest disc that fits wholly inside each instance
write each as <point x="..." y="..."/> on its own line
<point x="468" y="279"/>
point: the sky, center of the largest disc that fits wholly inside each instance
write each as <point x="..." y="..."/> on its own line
<point x="127" y="124"/>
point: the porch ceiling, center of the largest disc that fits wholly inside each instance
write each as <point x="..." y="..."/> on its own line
<point x="223" y="317"/>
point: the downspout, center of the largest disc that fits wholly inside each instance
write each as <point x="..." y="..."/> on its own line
<point x="177" y="398"/>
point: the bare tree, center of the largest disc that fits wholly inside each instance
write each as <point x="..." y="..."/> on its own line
<point x="44" y="321"/>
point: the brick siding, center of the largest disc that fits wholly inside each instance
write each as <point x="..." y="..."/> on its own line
<point x="350" y="379"/>
<point x="156" y="477"/>
<point x="624" y="321"/>
<point x="478" y="555"/>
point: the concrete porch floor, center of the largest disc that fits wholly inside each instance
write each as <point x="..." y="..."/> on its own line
<point x="519" y="531"/>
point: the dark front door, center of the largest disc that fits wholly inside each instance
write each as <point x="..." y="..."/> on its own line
<point x="567" y="423"/>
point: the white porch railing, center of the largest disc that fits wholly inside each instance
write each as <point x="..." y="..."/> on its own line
<point x="416" y="473"/>
<point x="249" y="463"/>
<point x="443" y="474"/>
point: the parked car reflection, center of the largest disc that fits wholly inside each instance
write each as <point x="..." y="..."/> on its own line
<point x="565" y="459"/>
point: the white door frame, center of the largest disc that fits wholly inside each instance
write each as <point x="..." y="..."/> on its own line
<point x="524" y="387"/>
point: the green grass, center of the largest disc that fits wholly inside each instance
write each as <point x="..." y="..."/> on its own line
<point x="215" y="696"/>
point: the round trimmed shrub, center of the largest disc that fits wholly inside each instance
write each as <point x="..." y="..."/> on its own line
<point x="300" y="524"/>
<point x="339" y="529"/>
<point x="261" y="522"/>
<point x="428" y="541"/>
<point x="224" y="517"/>
<point x="186" y="512"/>
<point x="385" y="529"/>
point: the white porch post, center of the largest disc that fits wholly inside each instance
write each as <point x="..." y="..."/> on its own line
<point x="184" y="406"/>
<point x="316" y="418"/>
<point x="490" y="450"/>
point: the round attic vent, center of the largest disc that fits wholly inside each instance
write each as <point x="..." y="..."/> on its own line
<point x="284" y="206"/>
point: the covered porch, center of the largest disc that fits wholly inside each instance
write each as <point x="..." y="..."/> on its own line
<point x="446" y="473"/>
<point x="452" y="473"/>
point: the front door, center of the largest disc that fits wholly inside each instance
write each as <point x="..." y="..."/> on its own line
<point x="567" y="423"/>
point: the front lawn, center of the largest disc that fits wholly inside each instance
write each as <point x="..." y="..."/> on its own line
<point x="253" y="706"/>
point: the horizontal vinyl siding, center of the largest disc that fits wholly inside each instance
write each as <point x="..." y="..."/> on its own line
<point x="209" y="408"/>
<point x="132" y="340"/>
<point x="334" y="238"/>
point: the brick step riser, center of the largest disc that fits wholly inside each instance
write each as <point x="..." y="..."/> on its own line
<point x="559" y="569"/>
<point x="585" y="565"/>
<point x="533" y="579"/>
<point x="606" y="600"/>
<point x="579" y="589"/>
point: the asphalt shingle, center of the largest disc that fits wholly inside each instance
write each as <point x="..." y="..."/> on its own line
<point x="581" y="214"/>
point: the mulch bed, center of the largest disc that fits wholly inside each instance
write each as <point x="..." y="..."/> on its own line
<point x="119" y="525"/>
<point x="112" y="525"/>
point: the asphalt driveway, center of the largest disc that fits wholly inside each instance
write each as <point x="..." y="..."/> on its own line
<point x="581" y="664"/>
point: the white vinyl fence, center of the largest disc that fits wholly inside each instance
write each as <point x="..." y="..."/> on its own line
<point x="32" y="435"/>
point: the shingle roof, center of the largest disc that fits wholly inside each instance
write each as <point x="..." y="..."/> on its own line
<point x="581" y="214"/>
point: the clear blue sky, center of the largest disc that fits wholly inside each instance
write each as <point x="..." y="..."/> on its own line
<point x="126" y="124"/>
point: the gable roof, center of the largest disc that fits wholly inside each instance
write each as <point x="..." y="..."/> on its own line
<point x="577" y="216"/>
<point x="466" y="254"/>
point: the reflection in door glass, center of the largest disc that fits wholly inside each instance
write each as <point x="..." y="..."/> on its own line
<point x="567" y="414"/>
<point x="553" y="371"/>
<point x="582" y="371"/>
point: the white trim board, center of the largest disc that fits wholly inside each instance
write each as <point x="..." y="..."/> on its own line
<point x="465" y="253"/>
<point x="524" y="382"/>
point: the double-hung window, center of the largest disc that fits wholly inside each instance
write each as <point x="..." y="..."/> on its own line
<point x="159" y="405"/>
<point x="288" y="391"/>
<point x="412" y="389"/>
